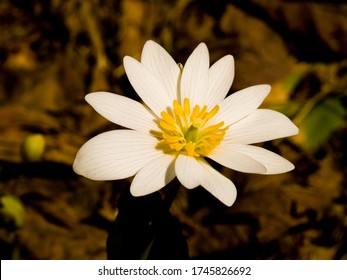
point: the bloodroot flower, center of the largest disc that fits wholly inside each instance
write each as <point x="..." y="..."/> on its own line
<point x="185" y="118"/>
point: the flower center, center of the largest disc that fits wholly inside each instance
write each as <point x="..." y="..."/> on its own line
<point x="185" y="130"/>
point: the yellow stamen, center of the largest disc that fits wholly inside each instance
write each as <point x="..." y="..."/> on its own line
<point x="167" y="127"/>
<point x="184" y="130"/>
<point x="186" y="107"/>
<point x="167" y="117"/>
<point x="190" y="149"/>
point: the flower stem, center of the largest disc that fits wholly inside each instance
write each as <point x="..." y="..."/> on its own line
<point x="169" y="193"/>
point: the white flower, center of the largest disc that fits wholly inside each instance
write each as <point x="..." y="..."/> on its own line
<point x="185" y="119"/>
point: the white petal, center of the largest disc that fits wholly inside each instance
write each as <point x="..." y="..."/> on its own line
<point x="221" y="76"/>
<point x="115" y="155"/>
<point x="192" y="172"/>
<point x="218" y="185"/>
<point x="154" y="176"/>
<point x="147" y="86"/>
<point x="226" y="155"/>
<point x="122" y="111"/>
<point x="241" y="103"/>
<point x="194" y="82"/>
<point x="274" y="163"/>
<point x="188" y="171"/>
<point x="156" y="59"/>
<point x="261" y="125"/>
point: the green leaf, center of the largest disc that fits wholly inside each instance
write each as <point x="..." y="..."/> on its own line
<point x="325" y="118"/>
<point x="291" y="82"/>
<point x="290" y="108"/>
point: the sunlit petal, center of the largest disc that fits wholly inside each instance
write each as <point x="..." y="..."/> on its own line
<point x="154" y="176"/>
<point x="226" y="155"/>
<point x="262" y="125"/>
<point x="188" y="171"/>
<point x="115" y="155"/>
<point x="274" y="163"/>
<point x="221" y="76"/>
<point x="147" y="86"/>
<point x="218" y="185"/>
<point x="241" y="103"/>
<point x="156" y="59"/>
<point x="194" y="82"/>
<point x="122" y="111"/>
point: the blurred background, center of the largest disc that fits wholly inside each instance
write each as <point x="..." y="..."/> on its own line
<point x="53" y="52"/>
